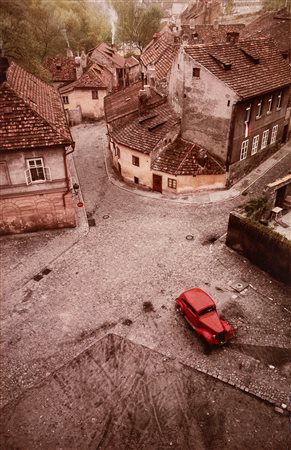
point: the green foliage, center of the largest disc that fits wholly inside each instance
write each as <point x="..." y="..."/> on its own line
<point x="255" y="208"/>
<point x="31" y="30"/>
<point x="137" y="23"/>
<point x="274" y="5"/>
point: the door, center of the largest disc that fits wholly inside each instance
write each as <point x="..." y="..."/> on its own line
<point x="285" y="134"/>
<point x="157" y="183"/>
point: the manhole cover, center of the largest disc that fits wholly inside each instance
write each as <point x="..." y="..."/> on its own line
<point x="106" y="216"/>
<point x="239" y="286"/>
<point x="189" y="237"/>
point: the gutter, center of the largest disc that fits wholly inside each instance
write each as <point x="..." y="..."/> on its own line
<point x="65" y="154"/>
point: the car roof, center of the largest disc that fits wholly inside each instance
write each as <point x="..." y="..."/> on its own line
<point x="198" y="298"/>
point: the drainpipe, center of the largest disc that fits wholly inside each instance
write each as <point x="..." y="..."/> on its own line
<point x="65" y="154"/>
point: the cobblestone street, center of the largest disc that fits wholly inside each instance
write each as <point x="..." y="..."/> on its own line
<point x="137" y="253"/>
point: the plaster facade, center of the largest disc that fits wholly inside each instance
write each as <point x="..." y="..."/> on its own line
<point x="91" y="108"/>
<point x="204" y="103"/>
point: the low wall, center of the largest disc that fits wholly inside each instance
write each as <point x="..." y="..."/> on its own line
<point x="264" y="247"/>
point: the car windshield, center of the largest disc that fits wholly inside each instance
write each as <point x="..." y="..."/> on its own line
<point x="206" y="310"/>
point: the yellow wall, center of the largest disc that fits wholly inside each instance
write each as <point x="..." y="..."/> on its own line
<point x="91" y="108"/>
<point x="185" y="184"/>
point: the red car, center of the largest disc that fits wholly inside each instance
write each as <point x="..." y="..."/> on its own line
<point x="200" y="312"/>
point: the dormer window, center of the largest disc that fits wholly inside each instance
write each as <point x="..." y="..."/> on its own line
<point x="270" y="102"/>
<point x="279" y="103"/>
<point x="259" y="112"/>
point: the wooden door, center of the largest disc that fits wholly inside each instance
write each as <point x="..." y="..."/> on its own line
<point x="157" y="183"/>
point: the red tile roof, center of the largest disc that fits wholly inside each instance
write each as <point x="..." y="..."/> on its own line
<point x="161" y="53"/>
<point x="185" y="158"/>
<point x="143" y="133"/>
<point x="106" y="54"/>
<point x="125" y="102"/>
<point x="95" y="77"/>
<point x="62" y="68"/>
<point x="236" y="65"/>
<point x="131" y="61"/>
<point x="275" y="25"/>
<point x="31" y="113"/>
<point x="210" y="34"/>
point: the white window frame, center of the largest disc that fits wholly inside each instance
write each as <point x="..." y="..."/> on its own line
<point x="255" y="144"/>
<point x="40" y="166"/>
<point x="260" y="106"/>
<point x="274" y="134"/>
<point x="265" y="139"/>
<point x="65" y="99"/>
<point x="244" y="149"/>
<point x="279" y="103"/>
<point x="172" y="183"/>
<point x="270" y="101"/>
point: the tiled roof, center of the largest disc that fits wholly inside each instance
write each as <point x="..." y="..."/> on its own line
<point x="126" y="101"/>
<point x="250" y="67"/>
<point x="272" y="24"/>
<point x="31" y="113"/>
<point x="194" y="10"/>
<point x="161" y="53"/>
<point x="105" y="52"/>
<point x="94" y="77"/>
<point x="131" y="61"/>
<point x="210" y="34"/>
<point x="143" y="133"/>
<point x="62" y="68"/>
<point x="185" y="158"/>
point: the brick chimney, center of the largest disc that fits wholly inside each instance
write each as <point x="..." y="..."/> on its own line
<point x="4" y="64"/>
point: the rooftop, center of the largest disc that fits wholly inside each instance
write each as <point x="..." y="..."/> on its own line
<point x="249" y="67"/>
<point x="31" y="113"/>
<point x="144" y="132"/>
<point x="61" y="68"/>
<point x="160" y="52"/>
<point x="185" y="158"/>
<point x="94" y="77"/>
<point x="108" y="55"/>
<point x="125" y="102"/>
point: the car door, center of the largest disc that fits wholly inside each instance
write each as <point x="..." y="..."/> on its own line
<point x="191" y="314"/>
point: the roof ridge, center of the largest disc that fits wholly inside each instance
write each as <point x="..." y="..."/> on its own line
<point x="37" y="114"/>
<point x="184" y="159"/>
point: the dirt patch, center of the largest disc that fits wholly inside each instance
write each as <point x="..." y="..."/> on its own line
<point x="232" y="311"/>
<point x="127" y="322"/>
<point x="210" y="239"/>
<point x="148" y="307"/>
<point x="120" y="396"/>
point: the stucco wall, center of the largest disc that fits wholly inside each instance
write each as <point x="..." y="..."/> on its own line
<point x="185" y="184"/>
<point x="36" y="212"/>
<point x="91" y="108"/>
<point x="15" y="164"/>
<point x="261" y="245"/>
<point x="205" y="104"/>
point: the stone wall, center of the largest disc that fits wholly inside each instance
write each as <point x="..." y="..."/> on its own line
<point x="36" y="212"/>
<point x="261" y="245"/>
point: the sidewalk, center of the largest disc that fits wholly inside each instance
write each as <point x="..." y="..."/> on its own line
<point x="200" y="197"/>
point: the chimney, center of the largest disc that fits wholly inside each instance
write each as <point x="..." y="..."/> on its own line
<point x="78" y="67"/>
<point x="147" y="90"/>
<point x="83" y="59"/>
<point x="4" y="64"/>
<point x="69" y="53"/>
<point x="142" y="101"/>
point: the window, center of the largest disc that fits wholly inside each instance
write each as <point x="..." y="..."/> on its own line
<point x="65" y="99"/>
<point x="36" y="171"/>
<point x="244" y="149"/>
<point x="274" y="134"/>
<point x="270" y="101"/>
<point x="265" y="139"/>
<point x="248" y="113"/>
<point x="255" y="144"/>
<point x="118" y="152"/>
<point x="196" y="72"/>
<point x="135" y="160"/>
<point x="172" y="183"/>
<point x="279" y="103"/>
<point x="259" y="112"/>
<point x="228" y="102"/>
<point x="95" y="95"/>
<point x="136" y="180"/>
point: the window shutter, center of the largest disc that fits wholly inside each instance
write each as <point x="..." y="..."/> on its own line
<point x="28" y="177"/>
<point x="47" y="173"/>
